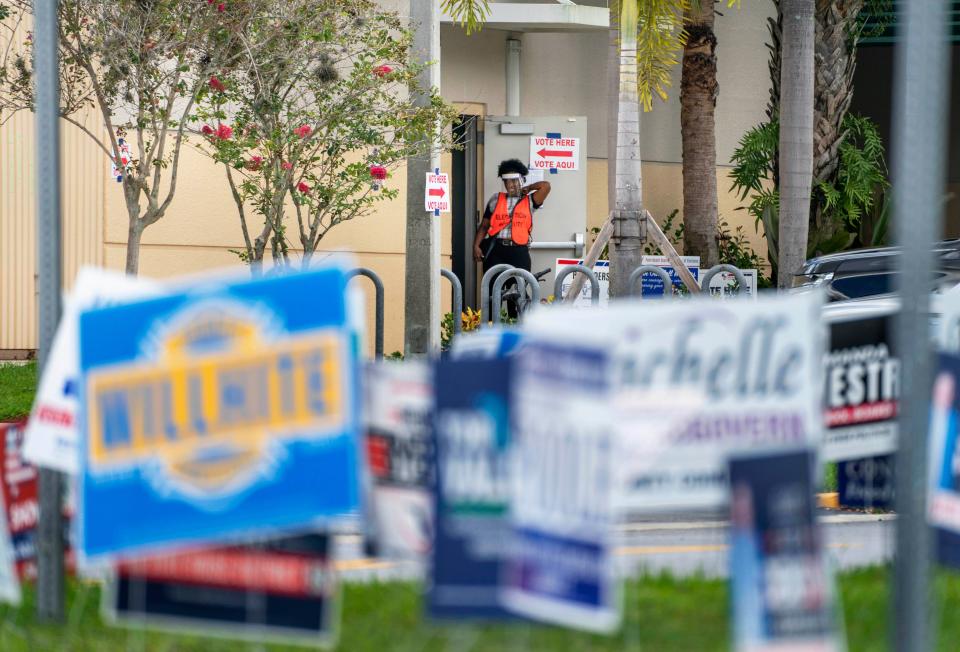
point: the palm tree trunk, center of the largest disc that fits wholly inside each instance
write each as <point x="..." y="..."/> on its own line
<point x="796" y="135"/>
<point x="698" y="101"/>
<point x="836" y="62"/>
<point x="613" y="99"/>
<point x="626" y="244"/>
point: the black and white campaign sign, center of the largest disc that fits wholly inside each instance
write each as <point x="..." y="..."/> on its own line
<point x="399" y="457"/>
<point x="553" y="152"/>
<point x="861" y="389"/>
<point x="697" y="380"/>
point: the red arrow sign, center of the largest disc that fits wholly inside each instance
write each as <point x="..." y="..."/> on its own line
<point x="554" y="153"/>
<point x="436" y="192"/>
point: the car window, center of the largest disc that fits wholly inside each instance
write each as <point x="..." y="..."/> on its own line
<point x="865" y="285"/>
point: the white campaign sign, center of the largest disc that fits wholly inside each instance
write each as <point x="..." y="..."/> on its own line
<point x="559" y="153"/>
<point x="436" y="196"/>
<point x="51" y="436"/>
<point x="601" y="270"/>
<point x="724" y="285"/>
<point x="697" y="380"/>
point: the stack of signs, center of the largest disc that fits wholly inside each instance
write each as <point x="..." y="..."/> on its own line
<point x="471" y="426"/>
<point x="560" y="567"/>
<point x="284" y="591"/>
<point x="783" y="596"/>
<point x="19" y="481"/>
<point x="697" y="380"/>
<point x="944" y="481"/>
<point x="862" y="389"/>
<point x="223" y="411"/>
<point x="52" y="431"/>
<point x="400" y="457"/>
<point x="10" y="564"/>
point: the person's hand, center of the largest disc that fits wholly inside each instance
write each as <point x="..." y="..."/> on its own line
<point x="477" y="253"/>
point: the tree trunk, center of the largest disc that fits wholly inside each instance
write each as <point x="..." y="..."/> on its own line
<point x="613" y="99"/>
<point x="698" y="101"/>
<point x="835" y="64"/>
<point x="134" y="234"/>
<point x="626" y="245"/>
<point x="796" y="136"/>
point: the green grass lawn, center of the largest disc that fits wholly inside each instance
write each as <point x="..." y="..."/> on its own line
<point x="662" y="614"/>
<point x="17" y="385"/>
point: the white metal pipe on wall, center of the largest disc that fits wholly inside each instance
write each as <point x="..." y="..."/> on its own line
<point x="513" y="76"/>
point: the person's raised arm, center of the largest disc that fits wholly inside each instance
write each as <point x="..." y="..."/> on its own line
<point x="539" y="190"/>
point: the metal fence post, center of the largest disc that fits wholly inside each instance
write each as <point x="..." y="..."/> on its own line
<point x="723" y="267"/>
<point x="519" y="274"/>
<point x="378" y="289"/>
<point x="50" y="581"/>
<point x="567" y="271"/>
<point x="485" y="293"/>
<point x="636" y="276"/>
<point x="920" y="112"/>
<point x="457" y="298"/>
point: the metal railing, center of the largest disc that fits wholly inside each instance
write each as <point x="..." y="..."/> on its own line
<point x="378" y="289"/>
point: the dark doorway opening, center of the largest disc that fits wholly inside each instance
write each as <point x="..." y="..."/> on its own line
<point x="463" y="190"/>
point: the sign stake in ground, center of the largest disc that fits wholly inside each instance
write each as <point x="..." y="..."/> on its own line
<point x="50" y="534"/>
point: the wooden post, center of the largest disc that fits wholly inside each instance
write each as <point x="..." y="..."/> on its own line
<point x="661" y="240"/>
<point x="579" y="278"/>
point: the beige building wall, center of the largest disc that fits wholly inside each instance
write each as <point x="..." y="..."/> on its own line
<point x="559" y="73"/>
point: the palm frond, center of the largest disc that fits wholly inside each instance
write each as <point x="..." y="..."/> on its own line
<point x="660" y="37"/>
<point x="471" y="14"/>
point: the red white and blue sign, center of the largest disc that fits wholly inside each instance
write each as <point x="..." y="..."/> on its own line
<point x="226" y="409"/>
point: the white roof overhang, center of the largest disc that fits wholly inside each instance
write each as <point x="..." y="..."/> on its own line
<point x="522" y="17"/>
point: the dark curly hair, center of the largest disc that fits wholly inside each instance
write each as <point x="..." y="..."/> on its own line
<point x="512" y="165"/>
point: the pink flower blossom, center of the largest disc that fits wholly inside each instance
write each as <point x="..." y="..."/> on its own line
<point x="380" y="71"/>
<point x="255" y="163"/>
<point x="224" y="132"/>
<point x="222" y="7"/>
<point x="207" y="130"/>
<point x="216" y="84"/>
<point x="304" y="188"/>
<point x="378" y="172"/>
<point x="303" y="130"/>
<point x="287" y="166"/>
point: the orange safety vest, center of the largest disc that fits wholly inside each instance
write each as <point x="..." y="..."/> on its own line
<point x="521" y="222"/>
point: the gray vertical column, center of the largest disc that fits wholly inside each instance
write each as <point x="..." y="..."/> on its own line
<point x="920" y="111"/>
<point x="50" y="589"/>
<point x="421" y="334"/>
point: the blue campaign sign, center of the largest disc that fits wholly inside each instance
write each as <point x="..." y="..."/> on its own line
<point x="783" y="594"/>
<point x="652" y="284"/>
<point x="560" y="567"/>
<point x="471" y="426"/>
<point x="944" y="474"/>
<point x="218" y="411"/>
<point x="866" y="483"/>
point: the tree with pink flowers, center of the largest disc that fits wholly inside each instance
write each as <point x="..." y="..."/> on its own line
<point x="310" y="128"/>
<point x="140" y="65"/>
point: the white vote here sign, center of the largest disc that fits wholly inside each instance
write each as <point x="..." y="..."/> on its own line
<point x="558" y="153"/>
<point x="437" y="194"/>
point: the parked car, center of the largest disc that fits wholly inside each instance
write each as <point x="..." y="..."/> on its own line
<point x="866" y="273"/>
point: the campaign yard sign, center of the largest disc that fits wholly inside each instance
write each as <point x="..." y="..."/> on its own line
<point x="283" y="591"/>
<point x="861" y="389"/>
<point x="697" y="380"/>
<point x="226" y="409"/>
<point x="400" y="458"/>
<point x="782" y="592"/>
<point x="489" y="342"/>
<point x="943" y="503"/>
<point x="601" y="270"/>
<point x="471" y="429"/>
<point x="52" y="433"/>
<point x="19" y="485"/>
<point x="652" y="284"/>
<point x="560" y="567"/>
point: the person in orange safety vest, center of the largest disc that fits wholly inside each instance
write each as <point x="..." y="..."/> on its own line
<point x="504" y="232"/>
